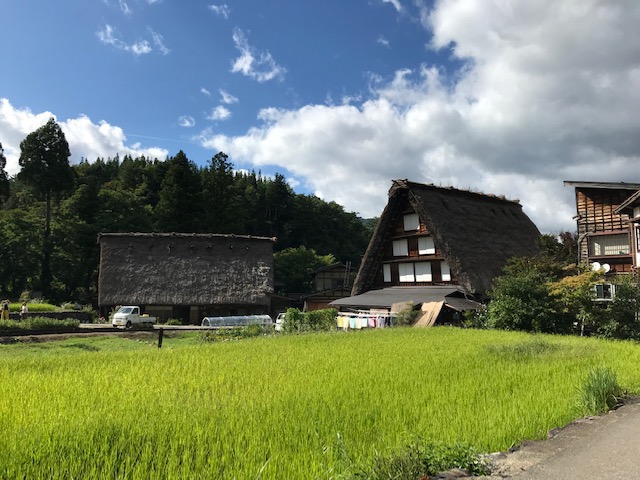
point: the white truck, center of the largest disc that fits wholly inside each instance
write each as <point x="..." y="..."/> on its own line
<point x="130" y="315"/>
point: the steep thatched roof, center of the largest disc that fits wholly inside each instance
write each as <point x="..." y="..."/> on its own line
<point x="184" y="269"/>
<point x="476" y="233"/>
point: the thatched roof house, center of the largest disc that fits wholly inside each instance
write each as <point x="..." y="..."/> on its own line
<point x="430" y="236"/>
<point x="186" y="275"/>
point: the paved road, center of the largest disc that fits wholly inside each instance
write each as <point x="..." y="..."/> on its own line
<point x="606" y="447"/>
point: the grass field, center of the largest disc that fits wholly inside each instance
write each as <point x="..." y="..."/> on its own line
<point x="310" y="406"/>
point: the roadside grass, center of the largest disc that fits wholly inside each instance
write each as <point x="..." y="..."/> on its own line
<point x="326" y="405"/>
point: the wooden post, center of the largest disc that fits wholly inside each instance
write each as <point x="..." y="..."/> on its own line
<point x="160" y="334"/>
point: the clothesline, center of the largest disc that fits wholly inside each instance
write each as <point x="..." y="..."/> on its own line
<point x="360" y="320"/>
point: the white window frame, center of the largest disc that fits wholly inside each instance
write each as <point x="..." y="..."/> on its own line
<point x="604" y="292"/>
<point x="401" y="248"/>
<point x="406" y="273"/>
<point x="445" y="271"/>
<point x="423" y="272"/>
<point x="411" y="222"/>
<point x="426" y="246"/>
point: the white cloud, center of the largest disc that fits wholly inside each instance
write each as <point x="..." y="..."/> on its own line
<point x="158" y="41"/>
<point x="186" y="121"/>
<point x="204" y="91"/>
<point x="383" y="41"/>
<point x="219" y="113"/>
<point x="86" y="139"/>
<point x="396" y="4"/>
<point x="227" y="98"/>
<point x="109" y="36"/>
<point x="221" y="10"/>
<point x="261" y="67"/>
<point x="548" y="91"/>
<point x="124" y="7"/>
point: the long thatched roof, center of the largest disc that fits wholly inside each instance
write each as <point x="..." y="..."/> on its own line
<point x="184" y="269"/>
<point x="475" y="233"/>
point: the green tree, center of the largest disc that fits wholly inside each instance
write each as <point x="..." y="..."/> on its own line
<point x="521" y="297"/>
<point x="620" y="318"/>
<point x="219" y="196"/>
<point x="44" y="158"/>
<point x="4" y="179"/>
<point x="293" y="268"/>
<point x="20" y="251"/>
<point x="179" y="207"/>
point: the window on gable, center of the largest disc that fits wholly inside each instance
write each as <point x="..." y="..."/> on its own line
<point x="406" y="272"/>
<point x="386" y="273"/>
<point x="426" y="246"/>
<point x="445" y="271"/>
<point x="411" y="222"/>
<point x="617" y="244"/>
<point x="400" y="248"/>
<point x="423" y="272"/>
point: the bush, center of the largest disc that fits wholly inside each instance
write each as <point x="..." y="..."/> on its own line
<point x="40" y="324"/>
<point x="407" y="316"/>
<point x="316" y="320"/>
<point x="420" y="459"/>
<point x="600" y="392"/>
<point x="173" y="321"/>
<point x="293" y="321"/>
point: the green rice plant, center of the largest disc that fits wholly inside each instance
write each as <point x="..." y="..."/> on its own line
<point x="600" y="391"/>
<point x="534" y="347"/>
<point x="322" y="405"/>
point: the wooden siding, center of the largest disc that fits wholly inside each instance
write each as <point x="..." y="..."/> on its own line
<point x="596" y="215"/>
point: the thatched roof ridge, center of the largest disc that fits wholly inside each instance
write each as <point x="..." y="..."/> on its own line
<point x="185" y="269"/>
<point x="476" y="233"/>
<point x="183" y="235"/>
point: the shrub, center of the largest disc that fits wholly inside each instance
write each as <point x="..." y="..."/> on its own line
<point x="297" y="321"/>
<point x="407" y="316"/>
<point x="600" y="392"/>
<point x="321" y="319"/>
<point x="293" y="321"/>
<point x="173" y="321"/>
<point x="40" y="324"/>
<point x="420" y="459"/>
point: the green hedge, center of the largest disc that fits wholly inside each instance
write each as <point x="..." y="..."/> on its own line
<point x="39" y="324"/>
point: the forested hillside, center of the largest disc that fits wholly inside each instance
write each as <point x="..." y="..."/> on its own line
<point x="144" y="195"/>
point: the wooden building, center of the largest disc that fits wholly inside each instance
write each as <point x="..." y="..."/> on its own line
<point x="330" y="283"/>
<point x="430" y="237"/>
<point x="186" y="276"/>
<point x="605" y="224"/>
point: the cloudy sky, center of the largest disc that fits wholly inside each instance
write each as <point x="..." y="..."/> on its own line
<point x="500" y="96"/>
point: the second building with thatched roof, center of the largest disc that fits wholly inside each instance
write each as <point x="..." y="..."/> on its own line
<point x="440" y="247"/>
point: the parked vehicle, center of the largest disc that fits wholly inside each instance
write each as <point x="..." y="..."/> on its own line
<point x="130" y="315"/>
<point x="280" y="322"/>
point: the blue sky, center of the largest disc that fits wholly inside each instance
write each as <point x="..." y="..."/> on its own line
<point x="341" y="96"/>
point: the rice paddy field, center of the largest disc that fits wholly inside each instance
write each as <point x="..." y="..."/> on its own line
<point x="307" y="406"/>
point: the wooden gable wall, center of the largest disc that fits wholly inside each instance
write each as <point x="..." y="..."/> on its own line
<point x="596" y="216"/>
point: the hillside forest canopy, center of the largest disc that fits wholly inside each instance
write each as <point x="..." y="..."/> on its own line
<point x="51" y="213"/>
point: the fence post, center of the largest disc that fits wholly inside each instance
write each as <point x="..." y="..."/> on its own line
<point x="160" y="334"/>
